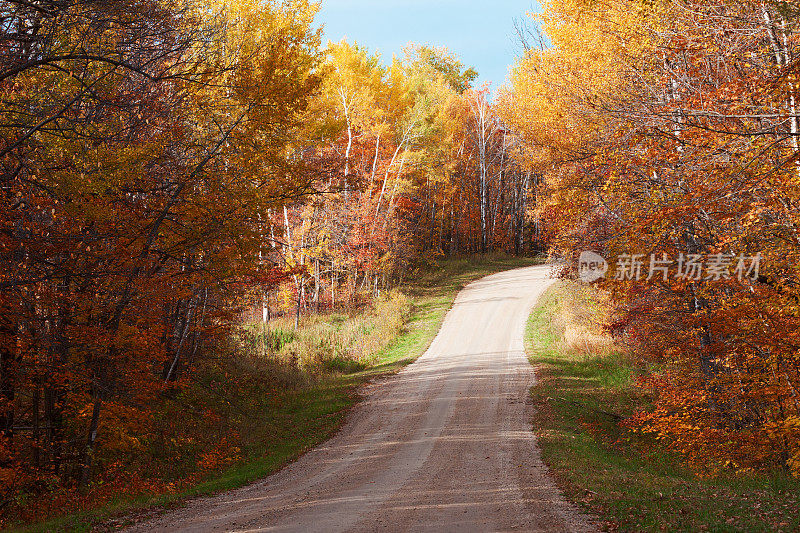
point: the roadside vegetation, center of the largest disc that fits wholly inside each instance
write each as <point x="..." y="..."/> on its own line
<point x="586" y="393"/>
<point x="270" y="395"/>
<point x="665" y="151"/>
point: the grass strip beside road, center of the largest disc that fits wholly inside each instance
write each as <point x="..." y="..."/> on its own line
<point x="585" y="389"/>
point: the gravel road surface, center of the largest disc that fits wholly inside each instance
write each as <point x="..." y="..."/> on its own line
<point x="445" y="445"/>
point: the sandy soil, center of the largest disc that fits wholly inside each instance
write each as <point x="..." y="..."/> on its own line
<point x="445" y="445"/>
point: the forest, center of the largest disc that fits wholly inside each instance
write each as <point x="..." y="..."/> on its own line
<point x="178" y="175"/>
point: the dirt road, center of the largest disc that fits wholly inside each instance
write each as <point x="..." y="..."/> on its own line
<point x="446" y="445"/>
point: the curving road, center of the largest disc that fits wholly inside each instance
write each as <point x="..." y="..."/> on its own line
<point x="445" y="445"/>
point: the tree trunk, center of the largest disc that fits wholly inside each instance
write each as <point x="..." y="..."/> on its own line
<point x="297" y="310"/>
<point x="91" y="437"/>
<point x="7" y="396"/>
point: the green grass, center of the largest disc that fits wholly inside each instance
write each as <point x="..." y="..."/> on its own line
<point x="631" y="483"/>
<point x="310" y="415"/>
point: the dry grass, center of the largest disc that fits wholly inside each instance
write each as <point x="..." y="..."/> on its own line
<point x="335" y="341"/>
<point x="580" y="319"/>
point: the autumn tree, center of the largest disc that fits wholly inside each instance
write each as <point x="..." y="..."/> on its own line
<point x="668" y="129"/>
<point x="140" y="142"/>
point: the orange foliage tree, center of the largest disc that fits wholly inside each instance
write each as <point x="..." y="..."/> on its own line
<point x="140" y="143"/>
<point x="671" y="128"/>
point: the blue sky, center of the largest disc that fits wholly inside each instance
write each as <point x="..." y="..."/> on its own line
<point x="480" y="32"/>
